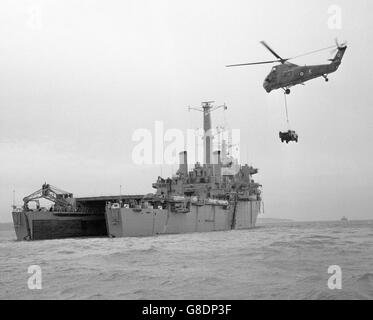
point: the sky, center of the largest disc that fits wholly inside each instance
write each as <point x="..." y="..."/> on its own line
<point x="78" y="78"/>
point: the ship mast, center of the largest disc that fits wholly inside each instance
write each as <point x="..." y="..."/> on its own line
<point x="207" y="109"/>
<point x="207" y="131"/>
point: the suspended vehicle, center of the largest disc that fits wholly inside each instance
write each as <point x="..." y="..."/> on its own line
<point x="287" y="75"/>
<point x="288" y="136"/>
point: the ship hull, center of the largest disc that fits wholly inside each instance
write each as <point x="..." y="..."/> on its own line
<point x="129" y="222"/>
<point x="42" y="225"/>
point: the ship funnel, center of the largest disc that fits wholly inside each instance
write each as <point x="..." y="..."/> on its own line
<point x="217" y="157"/>
<point x="183" y="166"/>
<point x="217" y="165"/>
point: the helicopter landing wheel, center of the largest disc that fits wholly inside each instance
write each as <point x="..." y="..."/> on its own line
<point x="287" y="91"/>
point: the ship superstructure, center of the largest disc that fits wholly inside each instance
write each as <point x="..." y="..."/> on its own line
<point x="214" y="196"/>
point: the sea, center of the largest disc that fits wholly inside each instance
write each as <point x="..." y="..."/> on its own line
<point x="289" y="260"/>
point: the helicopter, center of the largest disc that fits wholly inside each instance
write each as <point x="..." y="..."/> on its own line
<point x="286" y="75"/>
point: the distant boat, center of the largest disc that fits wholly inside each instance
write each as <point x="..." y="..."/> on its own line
<point x="344" y="219"/>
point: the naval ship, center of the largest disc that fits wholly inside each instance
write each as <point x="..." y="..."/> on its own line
<point x="217" y="195"/>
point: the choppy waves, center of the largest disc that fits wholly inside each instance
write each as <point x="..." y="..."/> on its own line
<point x="273" y="261"/>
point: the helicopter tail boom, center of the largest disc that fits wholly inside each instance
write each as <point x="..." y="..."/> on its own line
<point x="339" y="55"/>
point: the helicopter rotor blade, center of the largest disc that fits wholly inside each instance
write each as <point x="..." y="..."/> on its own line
<point x="311" y="52"/>
<point x="253" y="63"/>
<point x="271" y="50"/>
<point x="335" y="47"/>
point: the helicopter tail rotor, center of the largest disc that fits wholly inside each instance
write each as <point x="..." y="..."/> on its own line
<point x="338" y="46"/>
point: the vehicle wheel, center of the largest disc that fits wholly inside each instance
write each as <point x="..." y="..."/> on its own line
<point x="287" y="141"/>
<point x="287" y="91"/>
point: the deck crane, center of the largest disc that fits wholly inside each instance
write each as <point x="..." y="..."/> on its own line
<point x="63" y="200"/>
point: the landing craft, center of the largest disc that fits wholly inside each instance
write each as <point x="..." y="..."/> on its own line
<point x="286" y="74"/>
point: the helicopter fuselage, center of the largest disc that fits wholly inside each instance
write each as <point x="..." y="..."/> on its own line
<point x="288" y="74"/>
<point x="284" y="76"/>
